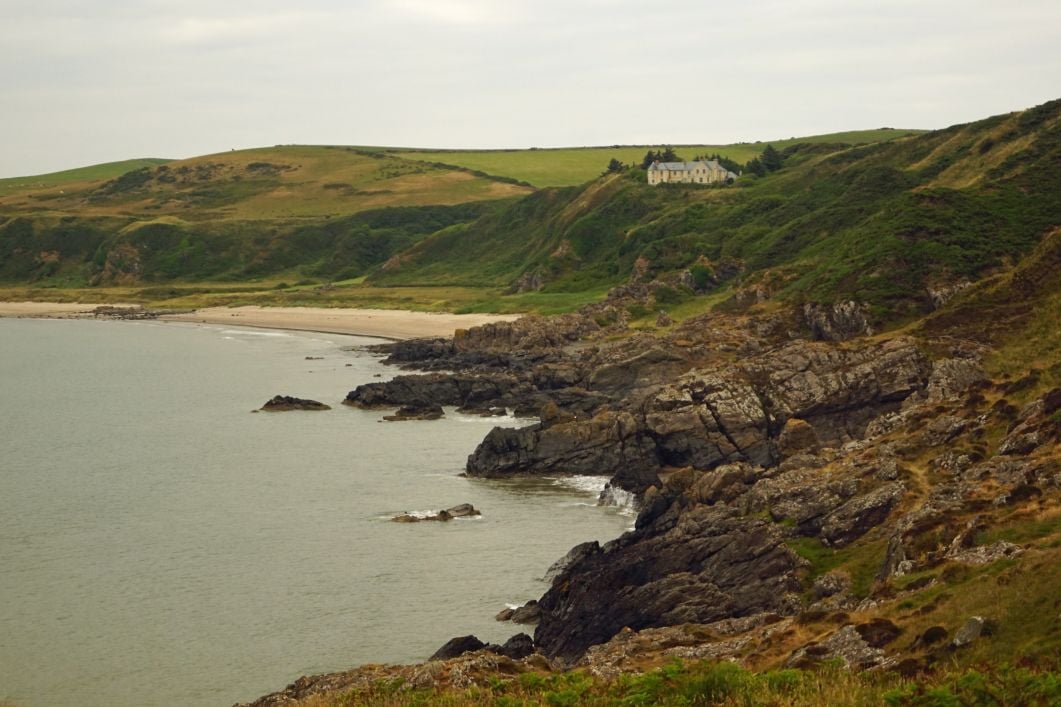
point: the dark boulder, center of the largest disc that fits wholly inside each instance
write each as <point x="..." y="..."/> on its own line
<point x="690" y="564"/>
<point x="608" y="444"/>
<point x="463" y="510"/>
<point x="519" y="646"/>
<point x="461" y="390"/>
<point x="456" y="647"/>
<point x="282" y="403"/>
<point x="527" y="614"/>
<point x="416" y="412"/>
<point x="419" y="350"/>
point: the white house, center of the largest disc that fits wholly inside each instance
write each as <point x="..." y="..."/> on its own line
<point x="701" y="172"/>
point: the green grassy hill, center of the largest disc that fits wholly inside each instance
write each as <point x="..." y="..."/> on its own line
<point x="878" y="223"/>
<point x="267" y="183"/>
<point x="560" y="167"/>
<point x="107" y="170"/>
<point x="298" y="212"/>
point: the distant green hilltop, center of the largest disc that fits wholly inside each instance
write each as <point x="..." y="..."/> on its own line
<point x="877" y="216"/>
<point x="540" y="167"/>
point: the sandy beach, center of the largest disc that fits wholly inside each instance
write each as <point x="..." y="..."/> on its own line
<point x="385" y="323"/>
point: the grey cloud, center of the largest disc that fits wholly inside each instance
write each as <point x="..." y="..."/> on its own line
<point x="90" y="81"/>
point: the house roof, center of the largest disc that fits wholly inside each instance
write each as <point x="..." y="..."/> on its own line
<point x="710" y="165"/>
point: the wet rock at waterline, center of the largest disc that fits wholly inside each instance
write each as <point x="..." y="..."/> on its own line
<point x="463" y="510"/>
<point x="283" y="403"/>
<point x="416" y="412"/>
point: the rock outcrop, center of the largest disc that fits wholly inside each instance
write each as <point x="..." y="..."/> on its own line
<point x="707" y="418"/>
<point x="416" y="412"/>
<point x="463" y="510"/>
<point x="685" y="563"/>
<point x="837" y="322"/>
<point x="281" y="403"/>
<point x="608" y="444"/>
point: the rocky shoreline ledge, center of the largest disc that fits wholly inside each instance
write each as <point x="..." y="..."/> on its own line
<point x="807" y="492"/>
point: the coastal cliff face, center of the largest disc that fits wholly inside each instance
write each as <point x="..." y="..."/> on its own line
<point x="878" y="503"/>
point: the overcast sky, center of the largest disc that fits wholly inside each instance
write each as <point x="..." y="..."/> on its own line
<point x="88" y="81"/>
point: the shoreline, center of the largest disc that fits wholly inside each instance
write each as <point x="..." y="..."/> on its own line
<point x="393" y="324"/>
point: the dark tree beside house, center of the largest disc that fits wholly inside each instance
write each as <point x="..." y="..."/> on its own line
<point x="724" y="162"/>
<point x="731" y="165"/>
<point x="615" y="166"/>
<point x="755" y="166"/>
<point x="771" y="159"/>
<point x="667" y="154"/>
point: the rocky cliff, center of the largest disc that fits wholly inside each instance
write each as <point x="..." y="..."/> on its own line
<point x="871" y="502"/>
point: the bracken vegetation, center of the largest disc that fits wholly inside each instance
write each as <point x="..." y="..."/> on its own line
<point x="706" y="683"/>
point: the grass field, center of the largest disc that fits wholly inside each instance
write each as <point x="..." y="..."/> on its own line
<point x="107" y="170"/>
<point x="298" y="181"/>
<point x="571" y="166"/>
<point x="266" y="183"/>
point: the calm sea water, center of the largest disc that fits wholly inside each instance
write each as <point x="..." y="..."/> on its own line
<point x="160" y="544"/>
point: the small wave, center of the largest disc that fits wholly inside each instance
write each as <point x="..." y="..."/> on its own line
<point x="414" y="514"/>
<point x="588" y="484"/>
<point x="618" y="498"/>
<point x="250" y="332"/>
<point x="423" y="515"/>
<point x="506" y="420"/>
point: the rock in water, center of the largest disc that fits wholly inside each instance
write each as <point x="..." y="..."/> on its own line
<point x="462" y="510"/>
<point x="416" y="412"/>
<point x="528" y="613"/>
<point x="282" y="403"/>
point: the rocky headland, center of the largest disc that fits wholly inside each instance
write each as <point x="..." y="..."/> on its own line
<point x="809" y="492"/>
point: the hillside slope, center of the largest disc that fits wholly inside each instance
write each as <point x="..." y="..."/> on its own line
<point x="107" y="170"/>
<point x="317" y="212"/>
<point x="278" y="182"/>
<point x="565" y="167"/>
<point x="886" y="224"/>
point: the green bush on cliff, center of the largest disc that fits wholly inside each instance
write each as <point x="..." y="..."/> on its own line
<point x="168" y="249"/>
